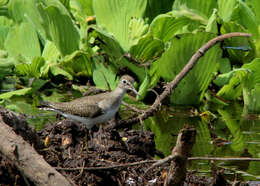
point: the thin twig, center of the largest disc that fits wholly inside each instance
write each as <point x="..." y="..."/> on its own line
<point x="172" y="157"/>
<point x="81" y="171"/>
<point x="224" y="159"/>
<point x="133" y="108"/>
<point x="156" y="163"/>
<point x="108" y="167"/>
<point x="161" y="162"/>
<point x="173" y="84"/>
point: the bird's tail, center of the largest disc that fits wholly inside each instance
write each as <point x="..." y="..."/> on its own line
<point x="44" y="104"/>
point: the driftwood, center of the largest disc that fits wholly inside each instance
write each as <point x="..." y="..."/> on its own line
<point x="21" y="127"/>
<point x="173" y="84"/>
<point x="26" y="159"/>
<point x="177" y="172"/>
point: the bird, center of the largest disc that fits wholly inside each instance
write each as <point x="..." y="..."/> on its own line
<point x="94" y="109"/>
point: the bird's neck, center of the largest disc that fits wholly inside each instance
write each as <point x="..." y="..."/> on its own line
<point x="119" y="92"/>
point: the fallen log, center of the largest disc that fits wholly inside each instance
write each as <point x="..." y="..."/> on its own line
<point x="20" y="126"/>
<point x="26" y="159"/>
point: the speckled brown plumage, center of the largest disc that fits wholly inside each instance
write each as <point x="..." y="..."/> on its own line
<point x="94" y="109"/>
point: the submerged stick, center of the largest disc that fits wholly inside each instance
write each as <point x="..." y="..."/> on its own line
<point x="173" y="84"/>
<point x="224" y="159"/>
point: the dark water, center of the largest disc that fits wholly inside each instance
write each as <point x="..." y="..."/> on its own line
<point x="233" y="133"/>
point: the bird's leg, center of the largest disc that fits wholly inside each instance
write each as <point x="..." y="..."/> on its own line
<point x="90" y="134"/>
<point x="58" y="117"/>
<point x="100" y="133"/>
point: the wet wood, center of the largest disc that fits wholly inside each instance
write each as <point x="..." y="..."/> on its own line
<point x="20" y="126"/>
<point x="177" y="171"/>
<point x="26" y="159"/>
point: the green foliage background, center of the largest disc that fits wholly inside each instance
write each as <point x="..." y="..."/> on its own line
<point x="56" y="50"/>
<point x="50" y="49"/>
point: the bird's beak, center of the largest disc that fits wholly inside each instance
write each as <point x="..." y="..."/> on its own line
<point x="133" y="89"/>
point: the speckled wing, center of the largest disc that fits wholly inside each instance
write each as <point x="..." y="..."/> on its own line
<point x="80" y="109"/>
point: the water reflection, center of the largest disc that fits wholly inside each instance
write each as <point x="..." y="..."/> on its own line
<point x="233" y="134"/>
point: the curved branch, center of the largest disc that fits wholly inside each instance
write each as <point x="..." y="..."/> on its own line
<point x="173" y="84"/>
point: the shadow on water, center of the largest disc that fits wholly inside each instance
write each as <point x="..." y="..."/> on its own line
<point x="234" y="133"/>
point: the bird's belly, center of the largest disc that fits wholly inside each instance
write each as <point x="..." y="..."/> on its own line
<point x="109" y="114"/>
<point x="90" y="122"/>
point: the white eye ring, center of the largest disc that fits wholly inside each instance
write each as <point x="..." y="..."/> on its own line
<point x="124" y="81"/>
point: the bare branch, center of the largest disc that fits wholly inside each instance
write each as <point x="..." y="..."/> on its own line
<point x="173" y="84"/>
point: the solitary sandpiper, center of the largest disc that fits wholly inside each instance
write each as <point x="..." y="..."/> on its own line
<point x="96" y="109"/>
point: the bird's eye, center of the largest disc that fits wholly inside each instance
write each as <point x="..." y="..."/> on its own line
<point x="124" y="81"/>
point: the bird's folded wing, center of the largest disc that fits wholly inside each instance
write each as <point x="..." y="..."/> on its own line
<point x="79" y="109"/>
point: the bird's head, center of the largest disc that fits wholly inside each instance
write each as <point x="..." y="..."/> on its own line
<point x="127" y="83"/>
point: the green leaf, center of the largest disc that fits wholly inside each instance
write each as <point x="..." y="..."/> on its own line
<point x="6" y="66"/>
<point x="155" y="7"/>
<point x="104" y="74"/>
<point x="3" y="34"/>
<point x="37" y="84"/>
<point x="81" y="9"/>
<point x="204" y="7"/>
<point x="191" y="89"/>
<point x="137" y="28"/>
<point x="212" y="23"/>
<point x="253" y="100"/>
<point x="20" y="92"/>
<point x="195" y="17"/>
<point x="78" y="64"/>
<point x="255" y="6"/>
<point x="17" y="10"/>
<point x="237" y="55"/>
<point x="56" y="70"/>
<point x="26" y="11"/>
<point x="147" y="48"/>
<point x="233" y="89"/>
<point x="143" y="89"/>
<point x="50" y="52"/>
<point x="226" y="8"/>
<point x="54" y="97"/>
<point x="254" y="68"/>
<point x="115" y="16"/>
<point x="114" y="50"/>
<point x="223" y="79"/>
<point x="59" y="27"/>
<point x="31" y="70"/>
<point x="82" y="14"/>
<point x="203" y="138"/>
<point x="66" y="3"/>
<point x="224" y="65"/>
<point x="251" y="86"/>
<point x="87" y="6"/>
<point x="8" y="83"/>
<point x="3" y="2"/>
<point x="238" y="141"/>
<point x="165" y="26"/>
<point x="22" y="40"/>
<point x="21" y="107"/>
<point x="246" y="17"/>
